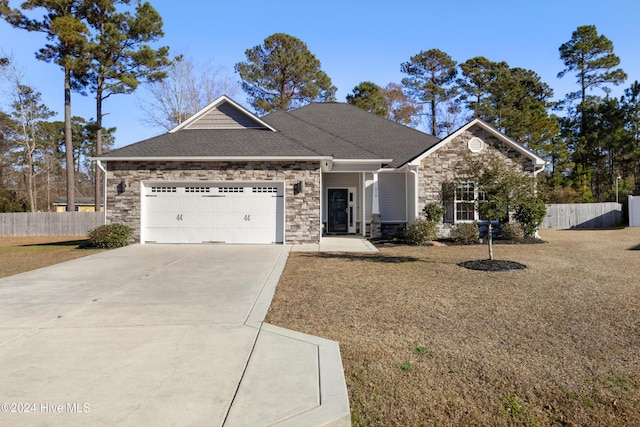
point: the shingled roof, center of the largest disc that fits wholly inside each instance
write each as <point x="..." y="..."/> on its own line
<point x="360" y="131"/>
<point x="337" y="130"/>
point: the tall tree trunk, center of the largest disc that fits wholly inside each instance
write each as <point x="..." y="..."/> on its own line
<point x="48" y="189"/>
<point x="97" y="174"/>
<point x="434" y="130"/>
<point x="30" y="183"/>
<point x="583" y="99"/>
<point x="68" y="143"/>
<point x="490" y="239"/>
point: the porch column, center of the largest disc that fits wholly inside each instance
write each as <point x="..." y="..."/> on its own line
<point x="415" y="214"/>
<point x="375" y="203"/>
<point x="363" y="209"/>
<point x="376" y="225"/>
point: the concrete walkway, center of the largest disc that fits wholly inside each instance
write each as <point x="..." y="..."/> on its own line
<point x="348" y="243"/>
<point x="161" y="335"/>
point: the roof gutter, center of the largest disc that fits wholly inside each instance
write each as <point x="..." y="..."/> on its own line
<point x="363" y="161"/>
<point x="209" y="158"/>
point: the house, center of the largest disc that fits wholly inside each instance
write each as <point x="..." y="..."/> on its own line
<point x="83" y="204"/>
<point x="226" y="175"/>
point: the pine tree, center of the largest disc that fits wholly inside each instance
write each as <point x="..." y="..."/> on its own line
<point x="282" y="74"/>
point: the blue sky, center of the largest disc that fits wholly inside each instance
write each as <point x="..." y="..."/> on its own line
<point x="356" y="41"/>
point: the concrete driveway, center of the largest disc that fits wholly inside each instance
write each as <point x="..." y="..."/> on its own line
<point x="156" y="335"/>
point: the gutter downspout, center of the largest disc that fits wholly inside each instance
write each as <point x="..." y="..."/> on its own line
<point x="104" y="190"/>
<point x="535" y="189"/>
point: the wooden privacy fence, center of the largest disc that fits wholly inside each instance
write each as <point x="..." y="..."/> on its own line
<point x="634" y="211"/>
<point x="49" y="223"/>
<point x="583" y="215"/>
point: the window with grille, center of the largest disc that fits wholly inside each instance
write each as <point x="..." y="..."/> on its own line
<point x="465" y="202"/>
<point x="197" y="189"/>
<point x="265" y="189"/>
<point x="461" y="201"/>
<point x="231" y="190"/>
<point x="163" y="189"/>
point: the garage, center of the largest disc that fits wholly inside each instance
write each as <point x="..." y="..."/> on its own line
<point x="229" y="212"/>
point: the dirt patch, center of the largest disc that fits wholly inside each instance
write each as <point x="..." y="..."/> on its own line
<point x="20" y="254"/>
<point x="426" y="342"/>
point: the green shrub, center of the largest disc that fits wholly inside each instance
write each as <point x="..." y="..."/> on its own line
<point x="530" y="213"/>
<point x="421" y="232"/>
<point x="465" y="233"/>
<point x="110" y="236"/>
<point x="511" y="231"/>
<point x="433" y="212"/>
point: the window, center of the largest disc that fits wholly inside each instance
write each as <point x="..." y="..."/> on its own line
<point x="230" y="189"/>
<point x="197" y="189"/>
<point x="163" y="189"/>
<point x="465" y="202"/>
<point x="265" y="189"/>
<point x="461" y="201"/>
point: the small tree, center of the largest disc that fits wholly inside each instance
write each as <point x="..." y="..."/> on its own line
<point x="530" y="212"/>
<point x="28" y="112"/>
<point x="433" y="212"/>
<point x="502" y="186"/>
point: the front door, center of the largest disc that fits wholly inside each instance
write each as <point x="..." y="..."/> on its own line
<point x="338" y="211"/>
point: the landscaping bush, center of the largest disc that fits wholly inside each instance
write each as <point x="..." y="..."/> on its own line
<point x="421" y="232"/>
<point x="511" y="231"/>
<point x="433" y="212"/>
<point x="465" y="233"/>
<point x="110" y="236"/>
<point x="530" y="213"/>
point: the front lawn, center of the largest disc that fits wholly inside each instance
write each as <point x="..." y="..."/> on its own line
<point x="427" y="342"/>
<point x="20" y="254"/>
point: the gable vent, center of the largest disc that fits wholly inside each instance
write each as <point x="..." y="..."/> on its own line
<point x="475" y="145"/>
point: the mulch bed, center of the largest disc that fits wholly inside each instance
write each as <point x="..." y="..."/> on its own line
<point x="492" y="265"/>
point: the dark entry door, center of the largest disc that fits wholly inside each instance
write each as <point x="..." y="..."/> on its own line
<point x="338" y="211"/>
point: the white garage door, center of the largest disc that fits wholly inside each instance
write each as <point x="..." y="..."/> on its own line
<point x="224" y="213"/>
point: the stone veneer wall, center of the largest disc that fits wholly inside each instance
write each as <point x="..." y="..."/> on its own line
<point x="439" y="167"/>
<point x="302" y="211"/>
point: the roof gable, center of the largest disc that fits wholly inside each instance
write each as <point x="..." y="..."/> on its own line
<point x="537" y="161"/>
<point x="223" y="113"/>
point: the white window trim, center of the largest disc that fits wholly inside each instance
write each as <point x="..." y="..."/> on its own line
<point x="476" y="200"/>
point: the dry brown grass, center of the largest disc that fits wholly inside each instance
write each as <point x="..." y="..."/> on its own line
<point x="20" y="254"/>
<point x="427" y="342"/>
